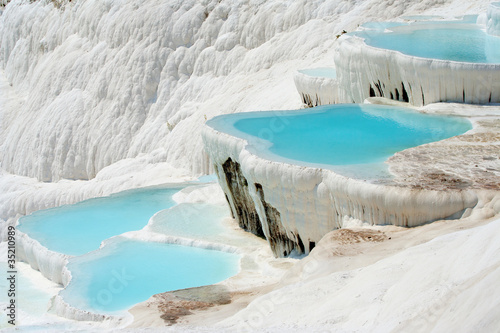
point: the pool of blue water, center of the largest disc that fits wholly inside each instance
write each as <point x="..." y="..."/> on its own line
<point x="191" y="220"/>
<point x="380" y="25"/>
<point x="326" y="72"/>
<point x="333" y="135"/>
<point x="441" y="40"/>
<point x="126" y="272"/>
<point x="421" y="17"/>
<point x="80" y="228"/>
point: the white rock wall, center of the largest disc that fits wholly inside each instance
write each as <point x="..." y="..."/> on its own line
<point x="59" y="307"/>
<point x="316" y="91"/>
<point x="51" y="264"/>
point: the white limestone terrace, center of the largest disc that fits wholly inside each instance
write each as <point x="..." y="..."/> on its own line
<point x="192" y="201"/>
<point x="115" y="138"/>
<point x="366" y="70"/>
<point x="294" y="206"/>
<point x="320" y="86"/>
<point x="317" y="86"/>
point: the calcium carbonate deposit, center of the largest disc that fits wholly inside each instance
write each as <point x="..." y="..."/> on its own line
<point x="103" y="96"/>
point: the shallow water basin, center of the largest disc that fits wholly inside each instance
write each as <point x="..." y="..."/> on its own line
<point x="80" y="228"/>
<point x="337" y="135"/>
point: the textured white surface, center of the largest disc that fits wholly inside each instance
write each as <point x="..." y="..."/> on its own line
<point x="59" y="307"/>
<point x="82" y="105"/>
<point x="51" y="264"/>
<point x="447" y="284"/>
<point x="316" y="90"/>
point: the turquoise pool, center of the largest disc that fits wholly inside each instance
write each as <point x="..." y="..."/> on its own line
<point x="80" y="228"/>
<point x="126" y="272"/>
<point x="438" y="40"/>
<point x="341" y="134"/>
<point x="191" y="220"/>
<point x="421" y="17"/>
<point x="325" y="72"/>
<point x="380" y="25"/>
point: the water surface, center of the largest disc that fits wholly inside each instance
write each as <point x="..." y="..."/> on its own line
<point x="325" y="72"/>
<point x="80" y="228"/>
<point x="126" y="272"/>
<point x="338" y="135"/>
<point x="439" y="40"/>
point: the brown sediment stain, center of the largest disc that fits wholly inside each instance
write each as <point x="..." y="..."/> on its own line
<point x="351" y="236"/>
<point x="480" y="137"/>
<point x="176" y="304"/>
<point x="441" y="180"/>
<point x="468" y="161"/>
<point x="348" y="242"/>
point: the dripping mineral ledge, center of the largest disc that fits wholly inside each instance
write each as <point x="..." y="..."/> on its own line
<point x="293" y="206"/>
<point x="367" y="67"/>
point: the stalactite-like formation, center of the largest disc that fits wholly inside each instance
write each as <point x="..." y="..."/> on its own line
<point x="364" y="71"/>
